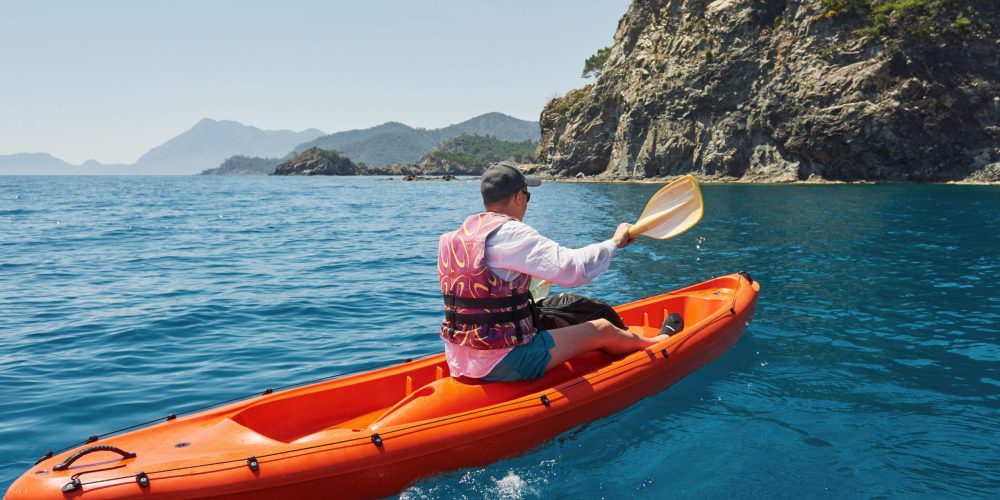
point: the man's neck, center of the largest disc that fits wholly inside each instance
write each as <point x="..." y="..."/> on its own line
<point x="502" y="212"/>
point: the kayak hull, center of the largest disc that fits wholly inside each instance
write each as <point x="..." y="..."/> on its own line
<point x="372" y="434"/>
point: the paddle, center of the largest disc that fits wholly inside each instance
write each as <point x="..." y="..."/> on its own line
<point x="675" y="208"/>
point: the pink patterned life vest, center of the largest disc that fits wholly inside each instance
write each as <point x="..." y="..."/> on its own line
<point x="482" y="311"/>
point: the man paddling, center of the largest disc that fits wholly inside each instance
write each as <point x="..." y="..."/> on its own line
<point x="485" y="269"/>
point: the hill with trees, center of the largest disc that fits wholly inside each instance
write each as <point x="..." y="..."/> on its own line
<point x="245" y="165"/>
<point x="395" y="143"/>
<point x="471" y="154"/>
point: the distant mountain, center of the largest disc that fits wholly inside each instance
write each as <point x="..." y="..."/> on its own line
<point x="499" y="125"/>
<point x="46" y="164"/>
<point x="394" y="142"/>
<point x="209" y="142"/>
<point x="33" y="164"/>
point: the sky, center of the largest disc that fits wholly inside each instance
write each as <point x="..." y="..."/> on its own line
<point x="108" y="80"/>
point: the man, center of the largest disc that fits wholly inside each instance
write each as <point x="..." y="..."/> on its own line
<point x="485" y="268"/>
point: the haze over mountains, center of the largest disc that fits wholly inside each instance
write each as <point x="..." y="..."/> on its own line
<point x="203" y="146"/>
<point x="210" y="142"/>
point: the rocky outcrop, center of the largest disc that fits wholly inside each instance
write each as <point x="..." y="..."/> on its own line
<point x="782" y="91"/>
<point x="316" y="161"/>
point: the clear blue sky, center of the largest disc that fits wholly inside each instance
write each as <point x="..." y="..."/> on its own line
<point x="108" y="80"/>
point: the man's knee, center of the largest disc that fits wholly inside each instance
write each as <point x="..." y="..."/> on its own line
<point x="602" y="325"/>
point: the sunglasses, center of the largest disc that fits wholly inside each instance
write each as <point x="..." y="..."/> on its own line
<point x="527" y="195"/>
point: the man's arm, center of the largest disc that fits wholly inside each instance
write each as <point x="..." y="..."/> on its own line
<point x="519" y="247"/>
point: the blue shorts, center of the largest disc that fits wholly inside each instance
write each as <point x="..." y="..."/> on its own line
<point x="524" y="362"/>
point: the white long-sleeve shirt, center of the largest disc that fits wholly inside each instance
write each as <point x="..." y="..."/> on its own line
<point x="517" y="248"/>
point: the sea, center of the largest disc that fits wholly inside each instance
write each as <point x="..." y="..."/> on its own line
<point x="871" y="368"/>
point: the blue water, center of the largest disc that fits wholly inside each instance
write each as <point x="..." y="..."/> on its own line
<point x="872" y="367"/>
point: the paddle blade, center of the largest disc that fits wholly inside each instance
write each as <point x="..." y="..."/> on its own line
<point x="674" y="209"/>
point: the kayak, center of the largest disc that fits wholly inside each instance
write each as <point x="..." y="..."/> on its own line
<point x="372" y="434"/>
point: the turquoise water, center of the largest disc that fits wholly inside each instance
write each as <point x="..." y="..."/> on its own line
<point x="872" y="367"/>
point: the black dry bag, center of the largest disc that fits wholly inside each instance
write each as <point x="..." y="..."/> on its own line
<point x="565" y="309"/>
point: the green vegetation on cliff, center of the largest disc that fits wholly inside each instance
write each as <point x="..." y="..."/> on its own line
<point x="471" y="154"/>
<point x="916" y="18"/>
<point x="563" y="104"/>
<point x="593" y="65"/>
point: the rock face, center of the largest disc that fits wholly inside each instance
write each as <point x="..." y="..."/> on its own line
<point x="782" y="91"/>
<point x="316" y="161"/>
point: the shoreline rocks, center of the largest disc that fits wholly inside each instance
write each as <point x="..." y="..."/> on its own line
<point x="411" y="178"/>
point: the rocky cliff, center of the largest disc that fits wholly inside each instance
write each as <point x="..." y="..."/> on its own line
<point x="786" y="90"/>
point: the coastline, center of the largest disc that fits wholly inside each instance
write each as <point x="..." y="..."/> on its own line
<point x="702" y="179"/>
<point x="542" y="171"/>
<point x="708" y="180"/>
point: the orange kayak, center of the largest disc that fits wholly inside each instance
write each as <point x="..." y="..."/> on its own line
<point x="372" y="434"/>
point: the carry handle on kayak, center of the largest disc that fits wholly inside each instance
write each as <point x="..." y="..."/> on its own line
<point x="104" y="447"/>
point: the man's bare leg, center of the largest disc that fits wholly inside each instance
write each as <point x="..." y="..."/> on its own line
<point x="596" y="334"/>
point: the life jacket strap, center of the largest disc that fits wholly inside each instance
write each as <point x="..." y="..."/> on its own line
<point x="516" y="300"/>
<point x="489" y="318"/>
<point x="450" y="313"/>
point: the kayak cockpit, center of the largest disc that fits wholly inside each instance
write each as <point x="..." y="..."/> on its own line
<point x="351" y="403"/>
<point x="450" y="396"/>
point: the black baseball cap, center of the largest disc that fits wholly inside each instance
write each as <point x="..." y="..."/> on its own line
<point x="503" y="179"/>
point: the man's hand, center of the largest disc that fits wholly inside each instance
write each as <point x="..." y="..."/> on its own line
<point x="621" y="237"/>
